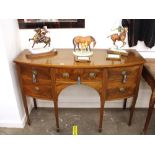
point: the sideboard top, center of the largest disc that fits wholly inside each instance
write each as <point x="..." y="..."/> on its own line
<point x="65" y="58"/>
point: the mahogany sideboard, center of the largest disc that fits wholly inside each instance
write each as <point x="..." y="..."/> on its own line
<point x="45" y="77"/>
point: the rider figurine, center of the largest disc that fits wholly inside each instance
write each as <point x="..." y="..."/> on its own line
<point x="43" y="34"/>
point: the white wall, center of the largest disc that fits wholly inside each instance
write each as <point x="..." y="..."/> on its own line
<point x="11" y="109"/>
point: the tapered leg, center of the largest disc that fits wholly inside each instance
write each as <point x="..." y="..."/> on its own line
<point x="56" y="114"/>
<point x="35" y="103"/>
<point x="149" y="114"/>
<point x="124" y="103"/>
<point x="132" y="109"/>
<point x="101" y="111"/>
<point x="26" y="109"/>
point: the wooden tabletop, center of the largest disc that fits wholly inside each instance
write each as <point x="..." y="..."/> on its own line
<point x="65" y="58"/>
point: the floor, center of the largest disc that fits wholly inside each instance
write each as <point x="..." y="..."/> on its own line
<point x="114" y="123"/>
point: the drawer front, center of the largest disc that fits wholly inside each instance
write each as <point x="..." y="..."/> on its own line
<point x="91" y="75"/>
<point x="119" y="93"/>
<point x="123" y="75"/>
<point x="67" y="75"/>
<point x="43" y="92"/>
<point x="74" y="75"/>
<point x="37" y="75"/>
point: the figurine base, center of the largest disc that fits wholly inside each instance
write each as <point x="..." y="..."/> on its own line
<point x="117" y="51"/>
<point x="83" y="53"/>
<point x="41" y="55"/>
<point x="38" y="50"/>
<point x="113" y="57"/>
<point x="81" y="59"/>
<point x="82" y="56"/>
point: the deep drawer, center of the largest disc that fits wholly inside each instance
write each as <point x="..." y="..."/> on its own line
<point x="43" y="92"/>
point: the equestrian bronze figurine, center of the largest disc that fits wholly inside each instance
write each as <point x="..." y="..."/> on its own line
<point x="40" y="37"/>
<point x="119" y="37"/>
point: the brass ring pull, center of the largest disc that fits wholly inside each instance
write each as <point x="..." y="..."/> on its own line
<point x="65" y="75"/>
<point x="92" y="75"/>
<point x="36" y="88"/>
<point x="124" y="74"/>
<point x="34" y="76"/>
<point x="122" y="90"/>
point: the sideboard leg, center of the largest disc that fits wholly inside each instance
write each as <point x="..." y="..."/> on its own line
<point x="56" y="115"/>
<point x="149" y="114"/>
<point x="132" y="109"/>
<point x="101" y="111"/>
<point x="124" y="103"/>
<point x="26" y="109"/>
<point x="35" y="103"/>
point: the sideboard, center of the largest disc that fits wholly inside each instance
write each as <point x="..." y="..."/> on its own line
<point x="45" y="77"/>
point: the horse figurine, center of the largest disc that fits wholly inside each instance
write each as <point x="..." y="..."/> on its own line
<point x="120" y="37"/>
<point x="40" y="37"/>
<point x="84" y="42"/>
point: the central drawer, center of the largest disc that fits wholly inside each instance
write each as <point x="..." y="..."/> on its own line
<point x="74" y="75"/>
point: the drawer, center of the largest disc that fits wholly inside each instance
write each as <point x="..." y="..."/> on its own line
<point x="119" y="93"/>
<point x="90" y="75"/>
<point x="36" y="74"/>
<point x="123" y="74"/>
<point x="71" y="75"/>
<point x="43" y="92"/>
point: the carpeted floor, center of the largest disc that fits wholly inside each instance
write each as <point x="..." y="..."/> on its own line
<point x="87" y="120"/>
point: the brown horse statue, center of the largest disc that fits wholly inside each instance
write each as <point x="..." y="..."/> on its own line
<point x="40" y="37"/>
<point x="120" y="37"/>
<point x="84" y="42"/>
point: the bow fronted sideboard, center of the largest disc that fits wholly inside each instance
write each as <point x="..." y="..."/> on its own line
<point x="45" y="77"/>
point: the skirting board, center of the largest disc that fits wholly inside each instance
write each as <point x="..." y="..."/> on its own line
<point x="9" y="124"/>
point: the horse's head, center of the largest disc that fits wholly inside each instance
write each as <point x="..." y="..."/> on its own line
<point x="125" y="29"/>
<point x="38" y="30"/>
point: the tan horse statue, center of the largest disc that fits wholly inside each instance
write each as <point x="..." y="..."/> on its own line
<point x="120" y="37"/>
<point x="84" y="42"/>
<point x="40" y="37"/>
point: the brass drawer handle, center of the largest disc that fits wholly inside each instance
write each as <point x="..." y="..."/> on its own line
<point x="34" y="76"/>
<point x="122" y="90"/>
<point x="36" y="88"/>
<point x="92" y="75"/>
<point x="124" y="74"/>
<point x="65" y="75"/>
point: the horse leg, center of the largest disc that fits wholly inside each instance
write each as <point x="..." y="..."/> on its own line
<point x="89" y="48"/>
<point x="78" y="47"/>
<point x="123" y="43"/>
<point x="45" y="45"/>
<point x="33" y="44"/>
<point x="30" y="39"/>
<point x="74" y="46"/>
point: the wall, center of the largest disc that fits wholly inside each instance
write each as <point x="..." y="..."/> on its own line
<point x="11" y="109"/>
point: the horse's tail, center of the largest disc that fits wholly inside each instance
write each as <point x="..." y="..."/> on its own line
<point x="74" y="41"/>
<point x="74" y="44"/>
<point x="94" y="41"/>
